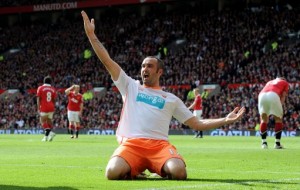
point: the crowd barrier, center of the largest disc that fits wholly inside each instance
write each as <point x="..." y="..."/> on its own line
<point x="172" y="132"/>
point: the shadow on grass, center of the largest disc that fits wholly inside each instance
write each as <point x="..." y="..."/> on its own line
<point x="14" y="187"/>
<point x="245" y="182"/>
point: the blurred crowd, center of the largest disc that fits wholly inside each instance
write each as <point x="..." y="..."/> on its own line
<point x="228" y="47"/>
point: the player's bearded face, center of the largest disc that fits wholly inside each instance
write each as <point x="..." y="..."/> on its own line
<point x="149" y="77"/>
<point x="149" y="74"/>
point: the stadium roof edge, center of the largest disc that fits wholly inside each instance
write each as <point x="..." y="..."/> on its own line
<point x="72" y="5"/>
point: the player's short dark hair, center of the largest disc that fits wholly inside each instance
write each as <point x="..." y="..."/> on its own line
<point x="47" y="80"/>
<point x="160" y="63"/>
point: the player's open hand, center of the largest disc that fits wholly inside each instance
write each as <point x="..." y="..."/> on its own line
<point x="89" y="26"/>
<point x="235" y="115"/>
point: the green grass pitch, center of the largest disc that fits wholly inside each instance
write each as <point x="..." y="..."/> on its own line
<point x="26" y="163"/>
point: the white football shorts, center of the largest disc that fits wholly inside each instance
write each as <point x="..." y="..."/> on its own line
<point x="49" y="114"/>
<point x="198" y="113"/>
<point x="73" y="116"/>
<point x="269" y="103"/>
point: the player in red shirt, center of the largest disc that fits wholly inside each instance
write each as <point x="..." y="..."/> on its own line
<point x="75" y="107"/>
<point x="46" y="95"/>
<point x="197" y="106"/>
<point x="270" y="101"/>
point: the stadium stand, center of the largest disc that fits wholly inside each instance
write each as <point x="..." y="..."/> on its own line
<point x="236" y="49"/>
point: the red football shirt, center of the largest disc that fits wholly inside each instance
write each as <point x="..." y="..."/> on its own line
<point x="277" y="85"/>
<point x="46" y="94"/>
<point x="74" y="101"/>
<point x="198" y="103"/>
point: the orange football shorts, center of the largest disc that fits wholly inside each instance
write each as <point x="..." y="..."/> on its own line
<point x="142" y="154"/>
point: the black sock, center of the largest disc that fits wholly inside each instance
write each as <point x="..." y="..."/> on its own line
<point x="77" y="132"/>
<point x="278" y="135"/>
<point x="72" y="132"/>
<point x="264" y="135"/>
<point x="47" y="132"/>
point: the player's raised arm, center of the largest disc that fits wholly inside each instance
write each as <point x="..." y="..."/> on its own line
<point x="68" y="90"/>
<point x="206" y="124"/>
<point x="112" y="67"/>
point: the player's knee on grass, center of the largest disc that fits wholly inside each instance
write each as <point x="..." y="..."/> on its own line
<point x="175" y="169"/>
<point x="117" y="168"/>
